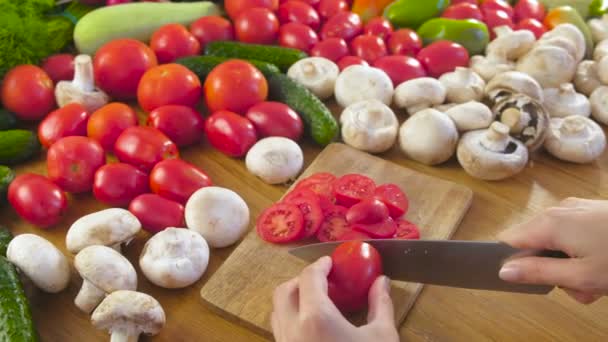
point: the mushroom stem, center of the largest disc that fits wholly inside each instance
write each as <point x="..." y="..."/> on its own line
<point x="496" y="138"/>
<point x="123" y="336"/>
<point x="572" y="126"/>
<point x="515" y="119"/>
<point x="83" y="73"/>
<point x="567" y="88"/>
<point x="309" y="69"/>
<point x="88" y="297"/>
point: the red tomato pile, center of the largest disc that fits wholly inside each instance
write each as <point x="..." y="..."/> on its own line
<point x="334" y="209"/>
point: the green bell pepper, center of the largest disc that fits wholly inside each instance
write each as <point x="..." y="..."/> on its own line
<point x="413" y="13"/>
<point x="598" y="8"/>
<point x="470" y="33"/>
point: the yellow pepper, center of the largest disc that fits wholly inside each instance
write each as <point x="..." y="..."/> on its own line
<point x="368" y="9"/>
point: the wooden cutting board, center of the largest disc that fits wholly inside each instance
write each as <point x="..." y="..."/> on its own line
<point x="241" y="289"/>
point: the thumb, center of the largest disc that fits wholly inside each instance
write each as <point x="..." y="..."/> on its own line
<point x="380" y="302"/>
<point x="544" y="271"/>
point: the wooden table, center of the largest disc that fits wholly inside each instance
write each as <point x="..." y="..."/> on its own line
<point x="440" y="314"/>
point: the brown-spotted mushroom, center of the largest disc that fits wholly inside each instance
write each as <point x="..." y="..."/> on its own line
<point x="575" y="139"/>
<point x="526" y="118"/>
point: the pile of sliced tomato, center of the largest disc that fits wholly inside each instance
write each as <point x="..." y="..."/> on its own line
<point x="330" y="208"/>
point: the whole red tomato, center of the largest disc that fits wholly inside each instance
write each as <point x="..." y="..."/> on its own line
<point x="463" y="11"/>
<point x="297" y="36"/>
<point x="71" y="163"/>
<point x="529" y="9"/>
<point x="236" y="7"/>
<point x="495" y="18"/>
<point x="333" y="49"/>
<point x="380" y="27"/>
<point x="230" y="133"/>
<point x="327" y="8"/>
<point x="174" y="41"/>
<point x="400" y="68"/>
<point x="256" y="26"/>
<point x="497" y="5"/>
<point x="182" y="124"/>
<point x="345" y="25"/>
<point x="235" y="86"/>
<point x="473" y="2"/>
<point x="443" y="56"/>
<point x="404" y="42"/>
<point x="212" y="28"/>
<point x="275" y="119"/>
<point x="106" y="123"/>
<point x="157" y="213"/>
<point x="368" y="47"/>
<point x="143" y="147"/>
<point x="532" y="25"/>
<point x="37" y="200"/>
<point x="63" y="122"/>
<point x="355" y="267"/>
<point x="28" y="92"/>
<point x="59" y="67"/>
<point x="177" y="180"/>
<point x="295" y="11"/>
<point x="347" y="61"/>
<point x="120" y="64"/>
<point x="168" y="84"/>
<point x="117" y="184"/>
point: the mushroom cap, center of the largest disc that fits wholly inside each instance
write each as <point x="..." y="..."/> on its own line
<point x="599" y="28"/>
<point x="549" y="65"/>
<point x="586" y="79"/>
<point x="561" y="42"/>
<point x="599" y="104"/>
<point x="463" y="85"/>
<point x="40" y="261"/>
<point x="360" y="82"/>
<point x="318" y="74"/>
<point x="575" y="139"/>
<point x="419" y="93"/>
<point x="511" y="44"/>
<point x="489" y="66"/>
<point x="369" y="126"/>
<point x="106" y="269"/>
<point x="530" y="121"/>
<point x="129" y="311"/>
<point x="573" y="34"/>
<point x="174" y="258"/>
<point x="276" y="160"/>
<point x="565" y="101"/>
<point x="471" y="115"/>
<point x="516" y="82"/>
<point x="602" y="70"/>
<point x="106" y="227"/>
<point x="601" y="50"/>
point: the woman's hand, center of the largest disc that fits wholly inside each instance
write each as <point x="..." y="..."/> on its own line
<point x="304" y="312"/>
<point x="578" y="227"/>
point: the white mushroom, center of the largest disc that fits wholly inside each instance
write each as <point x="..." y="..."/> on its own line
<point x="470" y="116"/>
<point x="420" y="93"/>
<point x="359" y="82"/>
<point x="491" y="154"/>
<point x="511" y="44"/>
<point x="602" y="70"/>
<point x="445" y="106"/>
<point x="318" y="74"/>
<point x="463" y="85"/>
<point x="109" y="227"/>
<point x="174" y="258"/>
<point x="526" y="118"/>
<point x="491" y="65"/>
<point x="599" y="28"/>
<point x="429" y="137"/>
<point x="513" y="82"/>
<point x="82" y="88"/>
<point x="565" y="101"/>
<point x="276" y="160"/>
<point x="599" y="104"/>
<point x="601" y="50"/>
<point x="127" y="314"/>
<point x="549" y="65"/>
<point x="586" y="79"/>
<point x="40" y="261"/>
<point x="220" y="215"/>
<point x="369" y="126"/>
<point x="103" y="270"/>
<point x="575" y="139"/>
<point x="571" y="33"/>
<point x="561" y="42"/>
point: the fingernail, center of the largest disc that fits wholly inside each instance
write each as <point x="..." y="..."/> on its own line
<point x="509" y="272"/>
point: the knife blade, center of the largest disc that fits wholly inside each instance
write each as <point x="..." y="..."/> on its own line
<point x="452" y="263"/>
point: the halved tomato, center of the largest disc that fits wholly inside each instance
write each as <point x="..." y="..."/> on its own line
<point x="382" y="230"/>
<point x="320" y="183"/>
<point x="311" y="210"/>
<point x="354" y="235"/>
<point x="281" y="223"/>
<point x="407" y="230"/>
<point x="368" y="211"/>
<point x="334" y="224"/>
<point x="394" y="198"/>
<point x="353" y="188"/>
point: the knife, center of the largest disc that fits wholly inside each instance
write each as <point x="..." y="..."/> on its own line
<point x="464" y="264"/>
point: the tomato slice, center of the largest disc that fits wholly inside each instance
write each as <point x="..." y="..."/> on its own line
<point x="382" y="230"/>
<point x="394" y="198"/>
<point x="326" y="204"/>
<point x="368" y="211"/>
<point x="281" y="223"/>
<point x="354" y="235"/>
<point x="334" y="224"/>
<point x="299" y="192"/>
<point x="320" y="183"/>
<point x="311" y="211"/>
<point x="353" y="188"/>
<point x="407" y="230"/>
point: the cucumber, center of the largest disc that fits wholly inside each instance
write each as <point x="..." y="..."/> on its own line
<point x="16" y="324"/>
<point x="5" y="238"/>
<point x="202" y="65"/>
<point x="6" y="177"/>
<point x="7" y="120"/>
<point x="136" y="20"/>
<point x="17" y="145"/>
<point x="320" y="122"/>
<point x="279" y="56"/>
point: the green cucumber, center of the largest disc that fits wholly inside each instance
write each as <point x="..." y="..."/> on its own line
<point x="136" y="20"/>
<point x="5" y="238"/>
<point x="7" y="120"/>
<point x="202" y="65"/>
<point x="279" y="56"/>
<point x="319" y="121"/>
<point x="6" y="177"/>
<point x="17" y="145"/>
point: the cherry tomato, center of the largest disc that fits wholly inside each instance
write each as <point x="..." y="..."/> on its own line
<point x="59" y="67"/>
<point x="63" y="122"/>
<point x="143" y="147"/>
<point x="28" y="92"/>
<point x="182" y="124"/>
<point x="119" y="66"/>
<point x="177" y="180"/>
<point x="368" y="47"/>
<point x="311" y="212"/>
<point x="257" y="26"/>
<point x="347" y="61"/>
<point x="345" y="25"/>
<point x="463" y="11"/>
<point x="443" y="56"/>
<point x="394" y="198"/>
<point x="368" y="211"/>
<point x="353" y="188"/>
<point x="169" y="84"/>
<point x="297" y="36"/>
<point x="37" y="200"/>
<point x="529" y="9"/>
<point x="118" y="184"/>
<point x="327" y="8"/>
<point x="235" y="86"/>
<point x="380" y="27"/>
<point x="497" y="5"/>
<point x="212" y="28"/>
<point x="380" y="230"/>
<point x="320" y="183"/>
<point x="173" y="41"/>
<point x="496" y="18"/>
<point x="400" y="68"/>
<point x="71" y="163"/>
<point x="275" y="119"/>
<point x="230" y="133"/>
<point x="354" y="235"/>
<point x="281" y="223"/>
<point x="473" y="2"/>
<point x="355" y="267"/>
<point x="532" y="25"/>
<point x="333" y="49"/>
<point x="156" y="213"/>
<point x="334" y="224"/>
<point x="404" y="42"/>
<point x="407" y="230"/>
<point x="295" y="11"/>
<point x="236" y="7"/>
<point x="108" y="122"/>
<point x="313" y="3"/>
